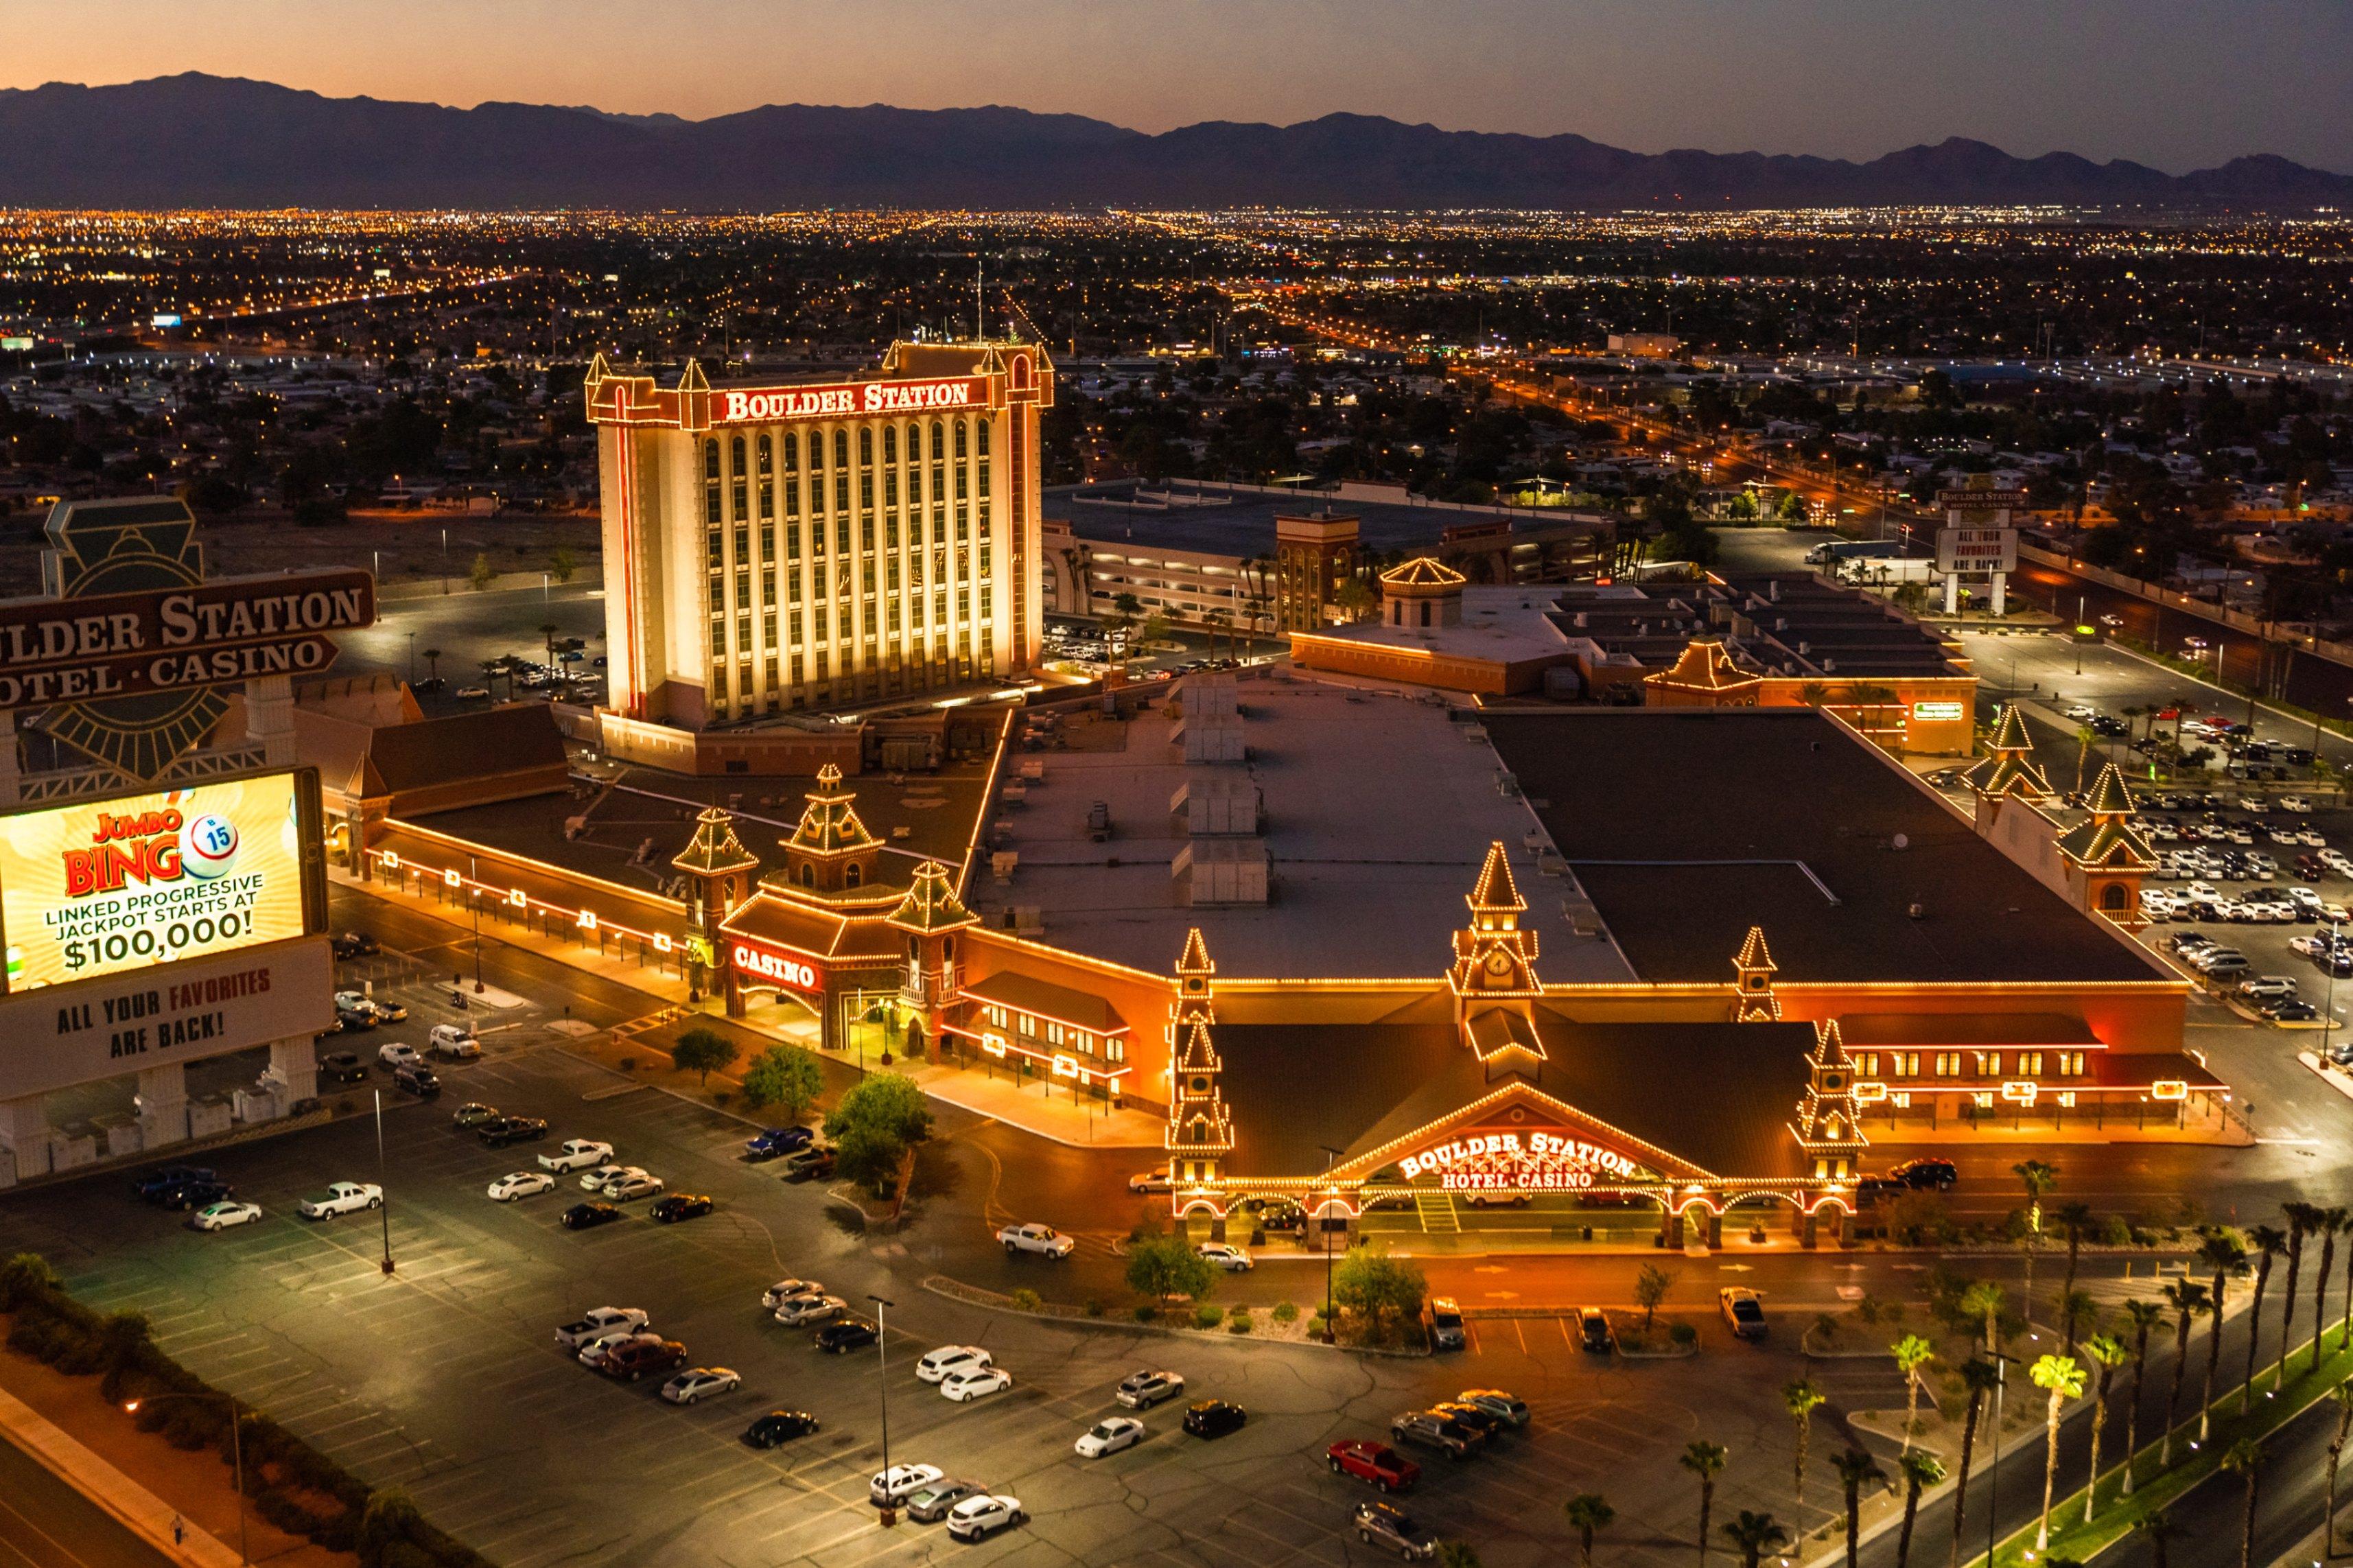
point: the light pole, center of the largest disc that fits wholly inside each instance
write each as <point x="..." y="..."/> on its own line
<point x="474" y="891"/>
<point x="412" y="658"/>
<point x="890" y="1504"/>
<point x="236" y="1450"/>
<point x="1993" y="1468"/>
<point x="2328" y="998"/>
<point x="2079" y="602"/>
<point x="1331" y="1329"/>
<point x="384" y="1206"/>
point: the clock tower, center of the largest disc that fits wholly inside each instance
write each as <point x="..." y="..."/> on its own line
<point x="1494" y="976"/>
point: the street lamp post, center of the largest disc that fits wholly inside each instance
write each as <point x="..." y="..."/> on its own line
<point x="1331" y="1329"/>
<point x="883" y="1354"/>
<point x="474" y="888"/>
<point x="236" y="1452"/>
<point x="384" y="1207"/>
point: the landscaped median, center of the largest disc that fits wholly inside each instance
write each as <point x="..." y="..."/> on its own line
<point x="289" y="1483"/>
<point x="2154" y="1486"/>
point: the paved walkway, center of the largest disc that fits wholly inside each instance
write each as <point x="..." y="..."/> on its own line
<point x="61" y="1506"/>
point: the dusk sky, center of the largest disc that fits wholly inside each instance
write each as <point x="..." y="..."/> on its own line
<point x="2179" y="84"/>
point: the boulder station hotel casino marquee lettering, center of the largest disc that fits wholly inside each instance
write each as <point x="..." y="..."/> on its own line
<point x="817" y="545"/>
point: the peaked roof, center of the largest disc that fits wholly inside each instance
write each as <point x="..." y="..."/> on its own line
<point x="830" y="824"/>
<point x="1196" y="957"/>
<point x="1495" y="890"/>
<point x="2010" y="771"/>
<point x="2109" y="796"/>
<point x="1197" y="1054"/>
<point x="1422" y="572"/>
<point x="714" y="848"/>
<point x="931" y="903"/>
<point x="2106" y="839"/>
<point x="1753" y="953"/>
<point x="1705" y="666"/>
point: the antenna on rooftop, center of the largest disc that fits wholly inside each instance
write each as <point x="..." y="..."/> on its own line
<point x="979" y="311"/>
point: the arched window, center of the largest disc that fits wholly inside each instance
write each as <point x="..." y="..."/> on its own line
<point x="735" y="452"/>
<point x="809" y="874"/>
<point x="960" y="449"/>
<point x="711" y="460"/>
<point x="841" y="448"/>
<point x="767" y="449"/>
<point x="816" y="452"/>
<point x="939" y="442"/>
<point x="2112" y="895"/>
<point x="865" y="448"/>
<point x="890" y="443"/>
<point x="792" y="453"/>
<point x="914" y="443"/>
<point x="983" y="437"/>
<point x="850" y="874"/>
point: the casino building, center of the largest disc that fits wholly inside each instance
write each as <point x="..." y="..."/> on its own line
<point x="773" y="549"/>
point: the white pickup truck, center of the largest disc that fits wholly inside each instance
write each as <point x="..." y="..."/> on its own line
<point x="599" y="1321"/>
<point x="576" y="1154"/>
<point x="1039" y="1239"/>
<point x="342" y="1197"/>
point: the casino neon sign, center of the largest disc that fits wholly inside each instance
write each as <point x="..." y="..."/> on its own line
<point x="776" y="966"/>
<point x="1521" y="1162"/>
<point x="848" y="400"/>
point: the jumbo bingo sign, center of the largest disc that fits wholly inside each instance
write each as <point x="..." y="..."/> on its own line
<point x="99" y="886"/>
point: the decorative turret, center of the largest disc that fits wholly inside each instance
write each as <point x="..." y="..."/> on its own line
<point x="929" y="916"/>
<point x="1828" y="1123"/>
<point x="830" y="851"/>
<point x="2009" y="771"/>
<point x="2106" y="857"/>
<point x="1494" y="976"/>
<point x="1704" y="675"/>
<point x="1199" y="1133"/>
<point x="719" y="872"/>
<point x="1756" y="1002"/>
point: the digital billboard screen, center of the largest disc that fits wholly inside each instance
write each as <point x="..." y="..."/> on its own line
<point x="94" y="888"/>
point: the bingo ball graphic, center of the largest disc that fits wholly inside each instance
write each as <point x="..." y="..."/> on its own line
<point x="208" y="846"/>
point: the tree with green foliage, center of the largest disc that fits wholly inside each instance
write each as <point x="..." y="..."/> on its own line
<point x="881" y="1118"/>
<point x="1855" y="1469"/>
<point x="481" y="575"/>
<point x="1705" y="1460"/>
<point x="2222" y="1253"/>
<point x="2063" y="1380"/>
<point x="1912" y="1355"/>
<point x="2108" y="1353"/>
<point x="1920" y="1469"/>
<point x="2143" y="1317"/>
<point x="2038" y="1176"/>
<point x="1755" y="1534"/>
<point x="1382" y="1291"/>
<point x="1792" y="511"/>
<point x="1801" y="1399"/>
<point x="1981" y="1377"/>
<point x="2245" y="1458"/>
<point x="787" y="1076"/>
<point x="1587" y="1512"/>
<point x="702" y="1052"/>
<point x="2189" y="1302"/>
<point x="561" y="565"/>
<point x="2266" y="1242"/>
<point x="1651" y="1288"/>
<point x="1164" y="1267"/>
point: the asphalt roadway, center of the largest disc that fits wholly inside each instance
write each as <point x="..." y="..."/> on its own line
<point x="46" y="1523"/>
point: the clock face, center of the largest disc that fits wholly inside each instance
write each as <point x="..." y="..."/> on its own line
<point x="1499" y="963"/>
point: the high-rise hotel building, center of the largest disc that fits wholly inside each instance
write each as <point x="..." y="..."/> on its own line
<point x="820" y="544"/>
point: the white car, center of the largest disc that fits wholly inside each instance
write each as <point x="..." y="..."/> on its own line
<point x="599" y="1321"/>
<point x="577" y="1155"/>
<point x="1039" y="1238"/>
<point x="221" y="1215"/>
<point x="393" y="1054"/>
<point x="2293" y="803"/>
<point x="974" y="1382"/>
<point x="519" y="1185"/>
<point x="2083" y="711"/>
<point x="1227" y="1255"/>
<point x="1109" y="1436"/>
<point x="701" y="1383"/>
<point x="2339" y="861"/>
<point x="343" y="1197"/>
<point x="453" y="1041"/>
<point x="629" y="1189"/>
<point x="784" y="1290"/>
<point x="951" y="1359"/>
<point x="981" y="1515"/>
<point x="794" y="1310"/>
<point x="593" y="1181"/>
<point x="1149" y="1181"/>
<point x="901" y="1482"/>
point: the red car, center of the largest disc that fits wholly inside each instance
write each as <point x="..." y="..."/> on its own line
<point x="1375" y="1462"/>
<point x="631" y="1361"/>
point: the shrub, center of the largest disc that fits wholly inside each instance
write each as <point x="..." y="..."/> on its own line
<point x="1166" y="1266"/>
<point x="1025" y="1299"/>
<point x="1239" y="1323"/>
<point x="1285" y="1312"/>
<point x="1146" y="1311"/>
<point x="23" y="1278"/>
<point x="1207" y="1317"/>
<point x="1093" y="1308"/>
<point x="1683" y="1334"/>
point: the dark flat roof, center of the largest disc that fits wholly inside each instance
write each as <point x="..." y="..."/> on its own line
<point x="1687" y="826"/>
<point x="1241" y="522"/>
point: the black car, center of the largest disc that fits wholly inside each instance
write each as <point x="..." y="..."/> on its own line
<point x="417" y="1079"/>
<point x="680" y="1205"/>
<point x="1214" y="1418"/>
<point x="343" y="1066"/>
<point x="186" y="1195"/>
<point x="779" y="1426"/>
<point x="1927" y="1174"/>
<point x="510" y="1129"/>
<point x="356" y="945"/>
<point x="355" y="1020"/>
<point x="154" y="1184"/>
<point x="844" y="1334"/>
<point x="589" y="1216"/>
<point x="1486" y="1423"/>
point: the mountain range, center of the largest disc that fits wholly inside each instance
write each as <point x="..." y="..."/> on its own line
<point x="196" y="140"/>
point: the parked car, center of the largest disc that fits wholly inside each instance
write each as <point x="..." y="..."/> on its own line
<point x="1394" y="1530"/>
<point x="508" y="1131"/>
<point x="355" y="1020"/>
<point x="931" y="1504"/>
<point x="416" y="1079"/>
<point x="776" y="1140"/>
<point x="1109" y="1436"/>
<point x="1143" y="1390"/>
<point x="1435" y="1429"/>
<point x="978" y="1517"/>
<point x="701" y="1383"/>
<point x="1510" y="1408"/>
<point x="1377" y="1463"/>
<point x="845" y="1334"/>
<point x="1928" y="1174"/>
<point x="454" y="1042"/>
<point x="784" y="1290"/>
<point x="152" y="1185"/>
<point x="224" y="1215"/>
<point x="901" y="1482"/>
<point x="1446" y="1330"/>
<point x="636" y="1358"/>
<point x="589" y="1216"/>
<point x="680" y="1206"/>
<point x="973" y="1383"/>
<point x="1224" y="1255"/>
<point x="194" y="1195"/>
<point x="473" y="1114"/>
<point x="1593" y="1330"/>
<point x="1214" y="1418"/>
<point x="594" y="1179"/>
<point x="598" y="1323"/>
<point x="808" y="1162"/>
<point x="386" y="1012"/>
<point x="517" y="1185"/>
<point x="794" y="1311"/>
<point x="342" y="1198"/>
<point x="576" y="1154"/>
<point x="343" y="1067"/>
<point x="949" y="1359"/>
<point x="780" y="1427"/>
<point x="629" y="1189"/>
<point x="1039" y="1238"/>
<point x="1743" y="1313"/>
<point x="1478" y="1417"/>
<point x="1155" y="1181"/>
<point x="355" y="944"/>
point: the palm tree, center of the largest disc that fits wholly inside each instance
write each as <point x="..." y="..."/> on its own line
<point x="1457" y="1554"/>
<point x="2268" y="1242"/>
<point x="1755" y="1534"/>
<point x="2343" y="1395"/>
<point x="2039" y="1177"/>
<point x="1854" y="1467"/>
<point x="1705" y="1460"/>
<point x="547" y="631"/>
<point x="2345" y="1328"/>
<point x="2143" y="1316"/>
<point x="1985" y="1300"/>
<point x="1980" y="1377"/>
<point x="1912" y="1354"/>
<point x="433" y="662"/>
<point x="2083" y="739"/>
<point x="1587" y="1512"/>
<point x="2222" y="1253"/>
<point x="2075" y="1219"/>
<point x="1920" y="1468"/>
<point x="1801" y="1399"/>
<point x="2076" y="1309"/>
<point x="2107" y="1353"/>
<point x="2188" y="1302"/>
<point x="2332" y="1222"/>
<point x="2064" y="1380"/>
<point x="2303" y="1219"/>
<point x="2158" y="1528"/>
<point x="2245" y="1457"/>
